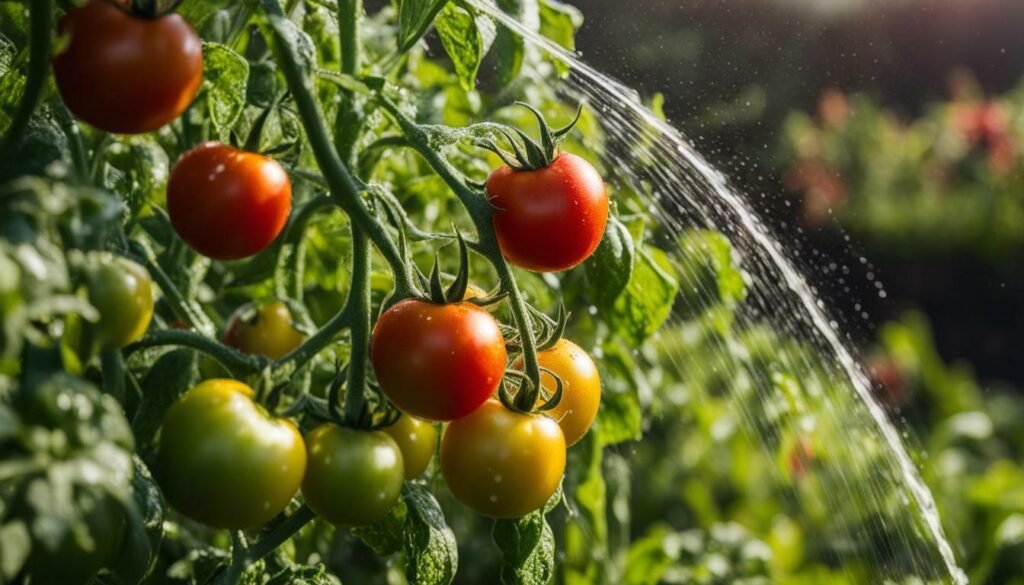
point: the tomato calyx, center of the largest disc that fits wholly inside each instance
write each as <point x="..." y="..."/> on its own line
<point x="456" y="292"/>
<point x="531" y="154"/>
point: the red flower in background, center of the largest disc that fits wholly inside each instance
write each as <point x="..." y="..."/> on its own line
<point x="888" y="381"/>
<point x="833" y="108"/>
<point x="823" y="188"/>
<point x="986" y="125"/>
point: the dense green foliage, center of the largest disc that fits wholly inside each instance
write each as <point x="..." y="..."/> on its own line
<point x="666" y="488"/>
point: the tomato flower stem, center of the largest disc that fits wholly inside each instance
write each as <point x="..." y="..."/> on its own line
<point x="40" y="49"/>
<point x="359" y="303"/>
<point x="112" y="368"/>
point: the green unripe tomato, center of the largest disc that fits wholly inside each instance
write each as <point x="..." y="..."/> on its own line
<point x="353" y="478"/>
<point x="122" y="293"/>
<point x="224" y="461"/>
<point x="417" y="439"/>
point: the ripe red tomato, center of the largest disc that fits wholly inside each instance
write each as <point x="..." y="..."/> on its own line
<point x="270" y="333"/>
<point x="550" y="219"/>
<point x="224" y="461"/>
<point x="126" y="74"/>
<point x="581" y="387"/>
<point x="438" y="362"/>
<point x="227" y="203"/>
<point x="501" y="463"/>
<point x="417" y="439"/>
<point x="353" y="478"/>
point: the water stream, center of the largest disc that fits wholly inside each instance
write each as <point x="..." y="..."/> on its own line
<point x="684" y="191"/>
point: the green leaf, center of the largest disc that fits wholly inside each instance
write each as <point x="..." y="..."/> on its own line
<point x="610" y="268"/>
<point x="559" y="22"/>
<point x="432" y="555"/>
<point x="527" y="549"/>
<point x="15" y="546"/>
<point x="144" y="530"/>
<point x="509" y="47"/>
<point x="386" y="536"/>
<point x="169" y="378"/>
<point x="466" y="37"/>
<point x="709" y="270"/>
<point x="226" y="75"/>
<point x="414" y="18"/>
<point x="647" y="301"/>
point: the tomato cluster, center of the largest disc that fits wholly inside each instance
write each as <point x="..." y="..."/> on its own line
<point x="223" y="459"/>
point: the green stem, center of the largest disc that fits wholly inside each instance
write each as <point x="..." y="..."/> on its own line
<point x="341" y="183"/>
<point x="112" y="364"/>
<point x="482" y="212"/>
<point x="79" y="155"/>
<point x="270" y="541"/>
<point x="350" y="15"/>
<point x="359" y="302"/>
<point x="232" y="359"/>
<point x="40" y="49"/>
<point x="309" y="349"/>
<point x="244" y="555"/>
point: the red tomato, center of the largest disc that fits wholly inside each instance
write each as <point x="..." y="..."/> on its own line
<point x="550" y="219"/>
<point x="126" y="74"/>
<point x="227" y="203"/>
<point x="438" y="362"/>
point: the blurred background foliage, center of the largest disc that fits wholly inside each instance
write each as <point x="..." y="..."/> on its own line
<point x="886" y="138"/>
<point x="898" y="123"/>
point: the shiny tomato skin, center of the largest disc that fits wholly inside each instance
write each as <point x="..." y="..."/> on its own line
<point x="226" y="203"/>
<point x="500" y="463"/>
<point x="549" y="219"/>
<point x="223" y="461"/>
<point x="353" y="478"/>
<point x="271" y="333"/>
<point x="417" y="439"/>
<point x="438" y="362"/>
<point x="125" y="74"/>
<point x="122" y="293"/>
<point x="581" y="388"/>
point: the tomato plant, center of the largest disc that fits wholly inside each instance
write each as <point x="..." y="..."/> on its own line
<point x="225" y="462"/>
<point x="330" y="160"/>
<point x="226" y="203"/>
<point x="126" y="73"/>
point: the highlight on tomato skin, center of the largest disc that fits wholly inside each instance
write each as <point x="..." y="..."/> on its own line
<point x="503" y="464"/>
<point x="438" y="362"/>
<point x="552" y="218"/>
<point x="226" y="203"/>
<point x="126" y="74"/>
